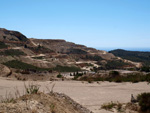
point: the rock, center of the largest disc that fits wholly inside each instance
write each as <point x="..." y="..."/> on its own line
<point x="4" y="71"/>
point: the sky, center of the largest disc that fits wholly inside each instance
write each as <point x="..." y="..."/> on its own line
<point x="94" y="23"/>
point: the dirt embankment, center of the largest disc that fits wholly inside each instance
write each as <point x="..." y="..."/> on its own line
<point x="42" y="103"/>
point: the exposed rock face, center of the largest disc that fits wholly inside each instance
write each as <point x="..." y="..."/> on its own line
<point x="6" y="35"/>
<point x="4" y="71"/>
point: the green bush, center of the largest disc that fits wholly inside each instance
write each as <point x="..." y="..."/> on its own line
<point x="59" y="76"/>
<point x="144" y="102"/>
<point x="23" y="66"/>
<point x="66" y="69"/>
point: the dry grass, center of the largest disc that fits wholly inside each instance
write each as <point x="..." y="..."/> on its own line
<point x="113" y="105"/>
<point x="32" y="88"/>
<point x="50" y="89"/>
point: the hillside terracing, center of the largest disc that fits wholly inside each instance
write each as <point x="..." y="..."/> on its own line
<point x="28" y="55"/>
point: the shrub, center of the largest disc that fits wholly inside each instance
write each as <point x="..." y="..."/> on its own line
<point x="89" y="81"/>
<point x="66" y="68"/>
<point x="109" y="106"/>
<point x="40" y="57"/>
<point x="134" y="78"/>
<point x="116" y="64"/>
<point x="23" y="66"/>
<point x="144" y="102"/>
<point x="145" y="68"/>
<point x="114" y="73"/>
<point x="59" y="76"/>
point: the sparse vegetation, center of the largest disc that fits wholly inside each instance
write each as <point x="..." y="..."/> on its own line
<point x="108" y="106"/>
<point x="145" y="68"/>
<point x="135" y="56"/>
<point x="94" y="57"/>
<point x="116" y="64"/>
<point x="40" y="57"/>
<point x="3" y="45"/>
<point x="12" y="52"/>
<point x="76" y="51"/>
<point x="33" y="100"/>
<point x="114" y="73"/>
<point x="134" y="78"/>
<point x="52" y="107"/>
<point x="40" y="49"/>
<point x="8" y="98"/>
<point x="66" y="68"/>
<point x="111" y="105"/>
<point x="32" y="88"/>
<point x="23" y="66"/>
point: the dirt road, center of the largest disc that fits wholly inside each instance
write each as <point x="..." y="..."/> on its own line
<point x="91" y="95"/>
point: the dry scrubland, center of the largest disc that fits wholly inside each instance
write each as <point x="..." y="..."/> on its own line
<point x="91" y="96"/>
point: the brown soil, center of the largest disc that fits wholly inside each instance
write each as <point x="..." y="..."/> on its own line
<point x="42" y="103"/>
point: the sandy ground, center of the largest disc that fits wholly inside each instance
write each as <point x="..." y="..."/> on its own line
<point x="91" y="95"/>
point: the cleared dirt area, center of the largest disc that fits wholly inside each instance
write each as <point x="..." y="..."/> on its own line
<point x="90" y="95"/>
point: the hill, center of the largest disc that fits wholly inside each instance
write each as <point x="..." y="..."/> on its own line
<point x="135" y="56"/>
<point x="7" y="35"/>
<point x="25" y="56"/>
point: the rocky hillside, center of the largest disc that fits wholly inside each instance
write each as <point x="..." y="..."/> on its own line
<point x="29" y="55"/>
<point x="7" y="35"/>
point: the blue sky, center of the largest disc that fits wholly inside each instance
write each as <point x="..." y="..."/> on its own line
<point x="94" y="23"/>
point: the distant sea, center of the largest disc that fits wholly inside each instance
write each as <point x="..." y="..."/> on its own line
<point x="129" y="49"/>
